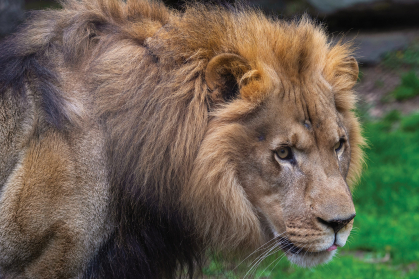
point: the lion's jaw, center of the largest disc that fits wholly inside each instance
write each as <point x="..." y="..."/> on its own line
<point x="314" y="251"/>
<point x="304" y="258"/>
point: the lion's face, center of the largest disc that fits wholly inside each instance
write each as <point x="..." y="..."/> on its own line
<point x="293" y="168"/>
<point x="280" y="163"/>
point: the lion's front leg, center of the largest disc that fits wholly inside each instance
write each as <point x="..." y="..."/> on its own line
<point x="52" y="210"/>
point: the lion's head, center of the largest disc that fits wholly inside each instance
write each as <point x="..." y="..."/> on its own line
<point x="282" y="144"/>
<point x="135" y="137"/>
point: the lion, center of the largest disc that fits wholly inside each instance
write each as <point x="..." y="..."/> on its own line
<point x="136" y="140"/>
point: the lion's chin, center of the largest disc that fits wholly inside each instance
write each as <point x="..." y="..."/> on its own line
<point x="310" y="259"/>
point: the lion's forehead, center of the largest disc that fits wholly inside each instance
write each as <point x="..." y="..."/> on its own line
<point x="304" y="117"/>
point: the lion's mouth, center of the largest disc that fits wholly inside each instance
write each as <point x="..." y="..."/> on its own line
<point x="288" y="247"/>
<point x="301" y="256"/>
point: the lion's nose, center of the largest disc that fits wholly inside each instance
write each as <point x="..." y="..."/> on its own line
<point x="336" y="224"/>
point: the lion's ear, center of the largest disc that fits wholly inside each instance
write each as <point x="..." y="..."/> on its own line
<point x="224" y="74"/>
<point x="345" y="77"/>
<point x="349" y="71"/>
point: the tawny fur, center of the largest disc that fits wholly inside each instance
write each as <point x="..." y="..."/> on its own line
<point x="133" y="122"/>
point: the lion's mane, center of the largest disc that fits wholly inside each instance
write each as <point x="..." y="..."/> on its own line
<point x="140" y="73"/>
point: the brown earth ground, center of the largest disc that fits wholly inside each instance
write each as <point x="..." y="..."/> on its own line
<point x="374" y="87"/>
<point x="377" y="78"/>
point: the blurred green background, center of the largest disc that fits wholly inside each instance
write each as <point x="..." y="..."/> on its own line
<point x="385" y="240"/>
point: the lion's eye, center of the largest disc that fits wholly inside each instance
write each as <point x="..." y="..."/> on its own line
<point x="338" y="145"/>
<point x="284" y="153"/>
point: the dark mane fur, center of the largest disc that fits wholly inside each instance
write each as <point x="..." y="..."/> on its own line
<point x="24" y="64"/>
<point x="151" y="240"/>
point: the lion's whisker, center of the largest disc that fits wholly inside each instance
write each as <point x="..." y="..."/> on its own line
<point x="272" y="262"/>
<point x="277" y="249"/>
<point x="262" y="247"/>
<point x="261" y="258"/>
<point x="269" y="253"/>
<point x="265" y="250"/>
<point x="280" y="258"/>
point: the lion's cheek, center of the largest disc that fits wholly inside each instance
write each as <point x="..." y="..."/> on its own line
<point x="268" y="199"/>
<point x="271" y="215"/>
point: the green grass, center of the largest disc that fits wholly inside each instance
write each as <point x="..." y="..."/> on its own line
<point x="387" y="198"/>
<point x="408" y="88"/>
<point x="387" y="204"/>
